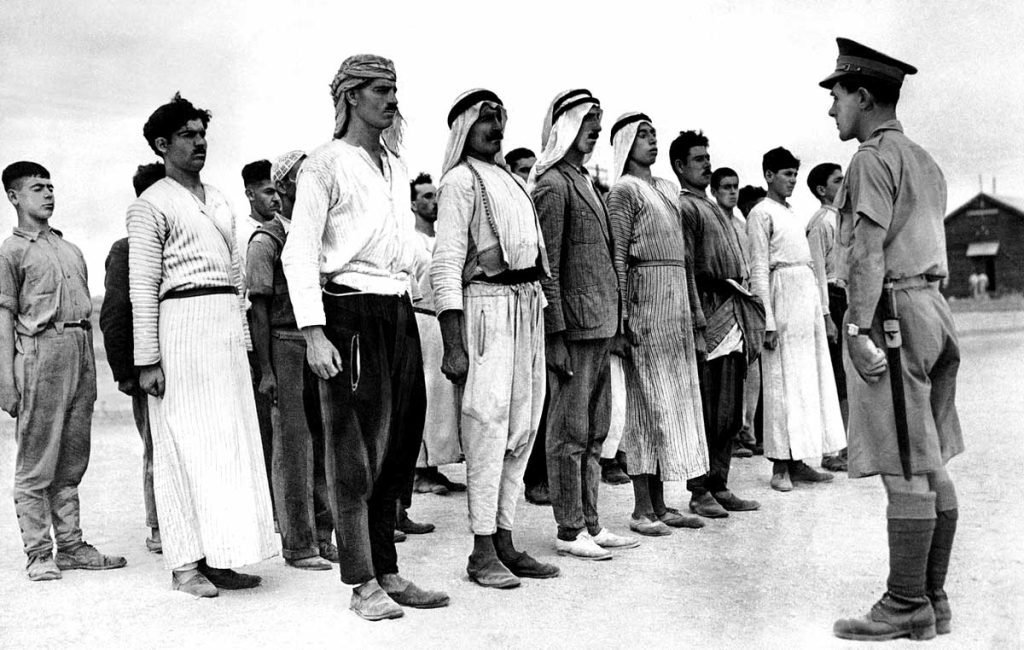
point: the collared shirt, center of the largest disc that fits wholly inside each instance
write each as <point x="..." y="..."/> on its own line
<point x="895" y="183"/>
<point x="176" y="242"/>
<point x="43" y="280"/>
<point x="715" y="247"/>
<point x="468" y="245"/>
<point x="352" y="224"/>
<point x="777" y="239"/>
<point x="821" y="238"/>
<point x="264" y="275"/>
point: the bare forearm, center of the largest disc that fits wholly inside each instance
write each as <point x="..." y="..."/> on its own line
<point x="6" y="348"/>
<point x="867" y="272"/>
<point x="261" y="331"/>
<point x="451" y="323"/>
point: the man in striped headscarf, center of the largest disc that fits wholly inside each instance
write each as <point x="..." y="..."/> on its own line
<point x="488" y="261"/>
<point x="352" y="227"/>
<point x="580" y="322"/>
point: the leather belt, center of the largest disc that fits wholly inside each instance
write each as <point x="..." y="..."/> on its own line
<point x="178" y="294"/>
<point x="60" y="326"/>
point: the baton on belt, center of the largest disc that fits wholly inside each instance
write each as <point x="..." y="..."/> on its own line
<point x="893" y="343"/>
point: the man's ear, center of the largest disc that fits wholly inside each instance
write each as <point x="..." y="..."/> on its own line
<point x="162" y="144"/>
<point x="249" y="194"/>
<point x="12" y="196"/>
<point x="769" y="176"/>
<point x="678" y="166"/>
<point x="865" y="99"/>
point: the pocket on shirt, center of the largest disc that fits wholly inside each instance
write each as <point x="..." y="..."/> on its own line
<point x="584" y="231"/>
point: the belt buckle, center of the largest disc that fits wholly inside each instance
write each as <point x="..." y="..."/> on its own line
<point x="59" y="326"/>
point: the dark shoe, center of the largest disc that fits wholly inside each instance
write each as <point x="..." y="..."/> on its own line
<point x="428" y="481"/>
<point x="154" y="545"/>
<point x="706" y="506"/>
<point x="452" y="486"/>
<point x="399" y="536"/>
<point x="42" y="567"/>
<point x="228" y="579"/>
<point x="490" y="572"/>
<point x="733" y="503"/>
<point x="943" y="613"/>
<point x="757" y="448"/>
<point x="611" y="472"/>
<point x="87" y="557"/>
<point x="834" y="463"/>
<point x="649" y="527"/>
<point x="675" y="519"/>
<point x="410" y="527"/>
<point x="374" y="604"/>
<point x="801" y="471"/>
<point x="329" y="552"/>
<point x="891" y="618"/>
<point x="538" y="495"/>
<point x="311" y="563"/>
<point x="413" y="596"/>
<point x="523" y="566"/>
<point x="195" y="584"/>
<point x="740" y="451"/>
<point x="780" y="478"/>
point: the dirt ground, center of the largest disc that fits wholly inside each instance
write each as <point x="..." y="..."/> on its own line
<point x="776" y="578"/>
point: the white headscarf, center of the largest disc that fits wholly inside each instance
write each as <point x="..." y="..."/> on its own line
<point x="623" y="136"/>
<point x="561" y="126"/>
<point x="461" y="118"/>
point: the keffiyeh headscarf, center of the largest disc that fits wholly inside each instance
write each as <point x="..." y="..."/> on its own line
<point x="283" y="164"/>
<point x="623" y="136"/>
<point x="462" y="117"/>
<point x="354" y="72"/>
<point x="561" y="126"/>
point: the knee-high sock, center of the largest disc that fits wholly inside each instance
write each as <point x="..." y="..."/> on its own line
<point x="942" y="540"/>
<point x="911" y="526"/>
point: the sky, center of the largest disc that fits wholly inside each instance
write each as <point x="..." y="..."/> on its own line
<point x="78" y="78"/>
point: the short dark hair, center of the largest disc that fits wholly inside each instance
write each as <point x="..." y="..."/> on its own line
<point x="258" y="171"/>
<point x="686" y="140"/>
<point x="779" y="158"/>
<point x="422" y="179"/>
<point x="750" y="194"/>
<point x="146" y="175"/>
<point x="170" y="117"/>
<point x="22" y="169"/>
<point x="886" y="93"/>
<point x="517" y="154"/>
<point x="719" y="174"/>
<point x="820" y="175"/>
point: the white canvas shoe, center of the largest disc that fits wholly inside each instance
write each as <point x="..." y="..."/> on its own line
<point x="582" y="547"/>
<point x="608" y="539"/>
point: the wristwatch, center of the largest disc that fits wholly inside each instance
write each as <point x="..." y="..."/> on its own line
<point x="852" y="329"/>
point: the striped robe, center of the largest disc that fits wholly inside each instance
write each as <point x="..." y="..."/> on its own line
<point x="664" y="422"/>
<point x="209" y="476"/>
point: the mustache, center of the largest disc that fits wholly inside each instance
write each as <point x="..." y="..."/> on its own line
<point x="496" y="137"/>
<point x="392" y="107"/>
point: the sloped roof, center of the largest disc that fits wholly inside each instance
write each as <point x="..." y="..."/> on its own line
<point x="1012" y="203"/>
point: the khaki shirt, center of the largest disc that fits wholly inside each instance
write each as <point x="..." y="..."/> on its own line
<point x="43" y="280"/>
<point x="892" y="181"/>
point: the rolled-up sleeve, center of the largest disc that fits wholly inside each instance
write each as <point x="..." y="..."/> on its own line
<point x="147" y="233"/>
<point x="456" y="200"/>
<point x="300" y="257"/>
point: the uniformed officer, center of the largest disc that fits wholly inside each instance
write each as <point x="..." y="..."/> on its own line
<point x="892" y="206"/>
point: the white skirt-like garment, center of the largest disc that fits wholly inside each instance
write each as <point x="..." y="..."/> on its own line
<point x="801" y="406"/>
<point x="209" y="477"/>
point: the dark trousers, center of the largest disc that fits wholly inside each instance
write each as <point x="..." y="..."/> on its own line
<point x="372" y="425"/>
<point x="298" y="480"/>
<point x="579" y="414"/>
<point x="140" y="409"/>
<point x="721" y="390"/>
<point x="837" y="311"/>
<point x="263" y="406"/>
<point x="56" y="376"/>
<point x="537" y="466"/>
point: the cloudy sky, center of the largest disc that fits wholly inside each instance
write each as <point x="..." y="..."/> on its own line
<point x="80" y="77"/>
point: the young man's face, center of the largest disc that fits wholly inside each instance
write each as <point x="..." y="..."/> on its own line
<point x="586" y="139"/>
<point x="645" y="146"/>
<point x="376" y="103"/>
<point x="425" y="205"/>
<point x="782" y="182"/>
<point x="486" y="134"/>
<point x="696" y="169"/>
<point x="728" y="192"/>
<point x="264" y="200"/>
<point x="33" y="197"/>
<point x="186" y="149"/>
<point x="523" y="166"/>
<point x="831" y="187"/>
<point x="846" y="110"/>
